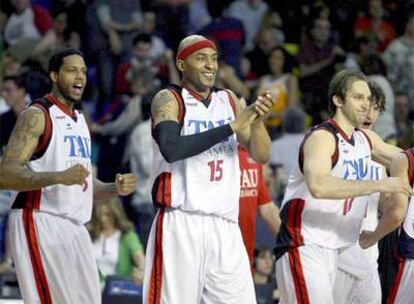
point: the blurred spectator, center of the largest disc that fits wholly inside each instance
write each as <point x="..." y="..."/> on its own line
<point x="199" y="15"/>
<point x="250" y="13"/>
<point x="362" y="47"/>
<point x="29" y="23"/>
<point x="373" y="24"/>
<point x="117" y="248"/>
<point x="158" y="47"/>
<point x="263" y="277"/>
<point x="374" y="68"/>
<point x="283" y="84"/>
<point x="254" y="199"/>
<point x="399" y="58"/>
<point x="172" y="20"/>
<point x="119" y="19"/>
<point x="14" y="93"/>
<point x="228" y="79"/>
<point x="268" y="39"/>
<point x="284" y="149"/>
<point x="405" y="122"/>
<point x="142" y="213"/>
<point x="140" y="57"/>
<point x="317" y="58"/>
<point x="228" y="33"/>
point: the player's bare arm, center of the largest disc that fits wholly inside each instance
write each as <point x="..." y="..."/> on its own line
<point x="124" y="185"/>
<point x="270" y="214"/>
<point x="381" y="151"/>
<point x="318" y="151"/>
<point x="395" y="208"/>
<point x="164" y="107"/>
<point x="23" y="141"/>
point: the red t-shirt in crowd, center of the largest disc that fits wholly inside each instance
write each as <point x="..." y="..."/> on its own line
<point x="253" y="193"/>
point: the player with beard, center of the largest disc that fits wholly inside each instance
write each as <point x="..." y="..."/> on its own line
<point x="48" y="162"/>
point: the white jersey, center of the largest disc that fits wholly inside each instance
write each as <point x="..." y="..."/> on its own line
<point x="69" y="144"/>
<point x="406" y="233"/>
<point x="355" y="260"/>
<point x="327" y="223"/>
<point x="208" y="182"/>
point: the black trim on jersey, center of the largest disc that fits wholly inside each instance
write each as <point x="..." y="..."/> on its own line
<point x="46" y="104"/>
<point x="289" y="237"/>
<point x="323" y="126"/>
<point x="21" y="200"/>
<point x="405" y="245"/>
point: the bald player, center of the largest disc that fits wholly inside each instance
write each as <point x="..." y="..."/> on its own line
<point x="195" y="251"/>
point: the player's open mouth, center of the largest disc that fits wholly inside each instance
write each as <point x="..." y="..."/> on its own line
<point x="366" y="124"/>
<point x="78" y="88"/>
<point x="208" y="74"/>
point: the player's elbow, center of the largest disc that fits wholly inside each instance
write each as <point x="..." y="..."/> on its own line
<point x="315" y="189"/>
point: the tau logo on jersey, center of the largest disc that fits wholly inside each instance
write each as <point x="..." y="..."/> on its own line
<point x="204" y="125"/>
<point x="79" y="146"/>
<point x="356" y="169"/>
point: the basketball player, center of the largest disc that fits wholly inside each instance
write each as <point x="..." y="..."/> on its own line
<point x="195" y="252"/>
<point x="48" y="161"/>
<point x="357" y="279"/>
<point x="400" y="212"/>
<point x="323" y="209"/>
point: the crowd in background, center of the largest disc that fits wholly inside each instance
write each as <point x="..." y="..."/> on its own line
<point x="292" y="48"/>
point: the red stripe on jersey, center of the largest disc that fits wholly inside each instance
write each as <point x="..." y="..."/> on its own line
<point x="154" y="294"/>
<point x="195" y="94"/>
<point x="47" y="133"/>
<point x="181" y="106"/>
<point x="301" y="291"/>
<point x="38" y="270"/>
<point x="294" y="221"/>
<point x="339" y="129"/>
<point x="394" y="289"/>
<point x="410" y="155"/>
<point x="167" y="189"/>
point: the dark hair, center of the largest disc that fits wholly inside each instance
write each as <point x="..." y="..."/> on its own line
<point x="56" y="61"/>
<point x="373" y="64"/>
<point x="340" y="84"/>
<point x="141" y="37"/>
<point x="288" y="59"/>
<point x="19" y="81"/>
<point x="377" y="95"/>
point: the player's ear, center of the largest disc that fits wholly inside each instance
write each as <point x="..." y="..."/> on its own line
<point x="53" y="76"/>
<point x="180" y="65"/>
<point x="337" y="101"/>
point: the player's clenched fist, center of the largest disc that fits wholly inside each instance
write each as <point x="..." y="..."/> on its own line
<point x="74" y="175"/>
<point x="125" y="183"/>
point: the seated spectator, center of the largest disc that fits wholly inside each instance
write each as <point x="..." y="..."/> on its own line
<point x="283" y="84"/>
<point x="374" y="25"/>
<point x="29" y="22"/>
<point x="318" y="56"/>
<point x="117" y="248"/>
<point x="164" y="67"/>
<point x="264" y="280"/>
<point x="404" y="119"/>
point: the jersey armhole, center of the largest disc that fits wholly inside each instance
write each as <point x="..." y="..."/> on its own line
<point x="44" y="139"/>
<point x="410" y="156"/>
<point x="334" y="157"/>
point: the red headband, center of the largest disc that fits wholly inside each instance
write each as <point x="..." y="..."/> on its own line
<point x="184" y="53"/>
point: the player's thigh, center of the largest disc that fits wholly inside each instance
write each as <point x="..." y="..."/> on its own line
<point x="403" y="286"/>
<point x="228" y="274"/>
<point x="368" y="290"/>
<point x="344" y="287"/>
<point x="174" y="271"/>
<point x="304" y="275"/>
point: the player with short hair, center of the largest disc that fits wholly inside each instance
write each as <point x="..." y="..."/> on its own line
<point x="324" y="206"/>
<point x="195" y="252"/>
<point x="48" y="162"/>
<point x="357" y="278"/>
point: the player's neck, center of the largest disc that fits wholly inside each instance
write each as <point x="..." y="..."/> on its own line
<point x="344" y="123"/>
<point x="203" y="93"/>
<point x="69" y="104"/>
